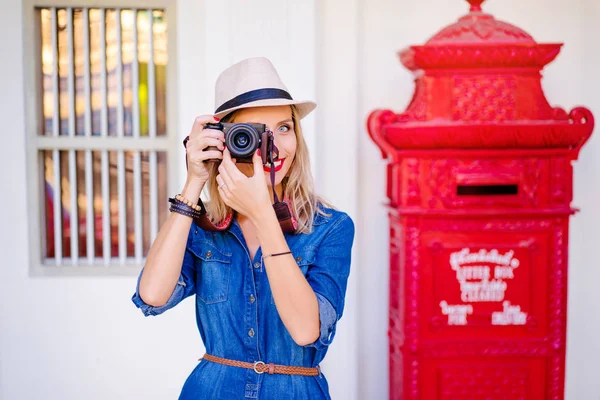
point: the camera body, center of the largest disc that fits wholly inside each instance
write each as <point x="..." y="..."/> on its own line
<point x="243" y="139"/>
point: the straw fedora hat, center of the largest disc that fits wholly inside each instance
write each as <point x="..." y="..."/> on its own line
<point x="254" y="82"/>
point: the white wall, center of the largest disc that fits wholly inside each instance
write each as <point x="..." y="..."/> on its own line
<point x="73" y="338"/>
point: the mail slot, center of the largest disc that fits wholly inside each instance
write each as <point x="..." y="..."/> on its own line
<point x="486" y="190"/>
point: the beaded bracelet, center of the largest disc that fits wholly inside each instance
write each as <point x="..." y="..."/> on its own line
<point x="183" y="201"/>
<point x="187" y="202"/>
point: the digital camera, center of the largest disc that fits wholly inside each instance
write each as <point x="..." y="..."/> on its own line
<point x="243" y="139"/>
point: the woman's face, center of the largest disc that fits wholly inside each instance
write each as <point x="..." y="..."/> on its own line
<point x="278" y="119"/>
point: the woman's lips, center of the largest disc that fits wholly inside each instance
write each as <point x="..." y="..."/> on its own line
<point x="278" y="165"/>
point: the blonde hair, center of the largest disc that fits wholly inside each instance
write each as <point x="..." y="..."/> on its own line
<point x="298" y="185"/>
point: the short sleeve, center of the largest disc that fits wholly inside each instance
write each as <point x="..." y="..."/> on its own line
<point x="185" y="287"/>
<point x="328" y="276"/>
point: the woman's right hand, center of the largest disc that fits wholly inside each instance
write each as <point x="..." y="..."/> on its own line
<point x="199" y="139"/>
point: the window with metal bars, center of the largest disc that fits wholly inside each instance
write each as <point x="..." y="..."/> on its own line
<point x="101" y="138"/>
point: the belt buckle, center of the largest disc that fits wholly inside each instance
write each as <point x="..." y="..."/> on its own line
<point x="256" y="365"/>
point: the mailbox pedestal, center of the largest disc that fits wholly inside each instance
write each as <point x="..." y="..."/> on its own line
<point x="479" y="183"/>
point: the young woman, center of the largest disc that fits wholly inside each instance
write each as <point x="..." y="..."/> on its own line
<point x="269" y="290"/>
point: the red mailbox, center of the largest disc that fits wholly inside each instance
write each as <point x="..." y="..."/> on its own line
<point x="479" y="183"/>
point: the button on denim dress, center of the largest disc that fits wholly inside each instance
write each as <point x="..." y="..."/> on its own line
<point x="236" y="314"/>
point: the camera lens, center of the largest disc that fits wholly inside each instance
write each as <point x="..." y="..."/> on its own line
<point x="242" y="140"/>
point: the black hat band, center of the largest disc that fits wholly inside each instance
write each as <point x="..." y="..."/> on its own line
<point x="254" y="95"/>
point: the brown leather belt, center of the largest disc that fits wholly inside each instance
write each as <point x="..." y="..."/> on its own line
<point x="260" y="367"/>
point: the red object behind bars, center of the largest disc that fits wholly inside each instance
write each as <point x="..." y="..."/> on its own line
<point x="480" y="187"/>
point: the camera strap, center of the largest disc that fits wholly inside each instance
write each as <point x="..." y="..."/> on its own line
<point x="282" y="209"/>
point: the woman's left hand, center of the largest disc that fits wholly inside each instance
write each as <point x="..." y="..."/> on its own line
<point x="247" y="195"/>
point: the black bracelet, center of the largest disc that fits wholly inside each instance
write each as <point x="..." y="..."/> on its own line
<point x="184" y="209"/>
<point x="181" y="212"/>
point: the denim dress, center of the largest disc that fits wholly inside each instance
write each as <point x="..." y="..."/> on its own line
<point x="236" y="314"/>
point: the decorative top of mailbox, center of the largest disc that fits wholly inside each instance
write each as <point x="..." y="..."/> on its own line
<point x="478" y="86"/>
<point x="478" y="40"/>
<point x="478" y="26"/>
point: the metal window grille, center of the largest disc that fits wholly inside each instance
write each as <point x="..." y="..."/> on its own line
<point x="102" y="138"/>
